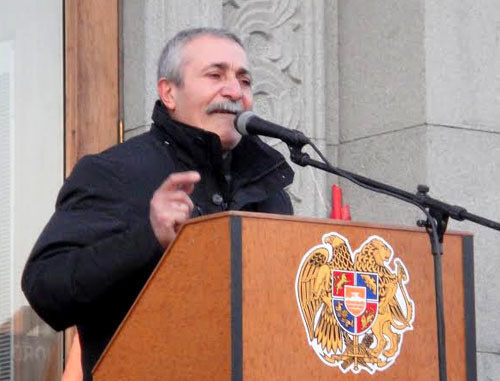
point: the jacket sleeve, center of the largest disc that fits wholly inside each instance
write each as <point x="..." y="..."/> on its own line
<point x="88" y="247"/>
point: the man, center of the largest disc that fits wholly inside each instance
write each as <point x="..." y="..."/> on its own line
<point x="120" y="209"/>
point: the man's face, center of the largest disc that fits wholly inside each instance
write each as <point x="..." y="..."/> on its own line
<point x="215" y="72"/>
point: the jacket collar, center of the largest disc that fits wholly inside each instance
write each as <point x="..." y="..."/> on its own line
<point x="194" y="146"/>
<point x="251" y="159"/>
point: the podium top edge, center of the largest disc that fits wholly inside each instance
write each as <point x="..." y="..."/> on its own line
<point x="316" y="220"/>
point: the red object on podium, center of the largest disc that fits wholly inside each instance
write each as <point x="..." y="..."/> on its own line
<point x="345" y="214"/>
<point x="336" y="202"/>
<point x="339" y="212"/>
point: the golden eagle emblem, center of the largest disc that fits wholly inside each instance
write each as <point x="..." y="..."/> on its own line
<point x="354" y="305"/>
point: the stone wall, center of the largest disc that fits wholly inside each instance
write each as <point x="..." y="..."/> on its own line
<point x="292" y="47"/>
<point x="420" y="103"/>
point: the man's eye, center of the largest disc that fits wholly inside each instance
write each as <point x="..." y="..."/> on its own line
<point x="214" y="75"/>
<point x="246" y="81"/>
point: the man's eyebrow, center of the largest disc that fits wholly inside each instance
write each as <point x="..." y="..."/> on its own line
<point x="225" y="66"/>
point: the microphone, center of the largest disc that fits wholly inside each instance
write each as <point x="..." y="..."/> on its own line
<point x="247" y="123"/>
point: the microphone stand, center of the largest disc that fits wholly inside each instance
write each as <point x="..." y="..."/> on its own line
<point x="437" y="216"/>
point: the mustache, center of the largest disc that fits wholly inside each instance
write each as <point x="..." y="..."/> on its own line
<point x="228" y="106"/>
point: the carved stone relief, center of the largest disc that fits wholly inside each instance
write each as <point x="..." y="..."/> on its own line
<point x="284" y="39"/>
<point x="270" y="30"/>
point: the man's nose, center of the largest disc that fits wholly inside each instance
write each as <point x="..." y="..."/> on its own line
<point x="232" y="89"/>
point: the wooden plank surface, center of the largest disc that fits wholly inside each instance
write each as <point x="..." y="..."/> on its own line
<point x="179" y="327"/>
<point x="91" y="77"/>
<point x="275" y="341"/>
<point x="91" y="71"/>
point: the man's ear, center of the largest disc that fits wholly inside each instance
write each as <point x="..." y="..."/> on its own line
<point x="166" y="93"/>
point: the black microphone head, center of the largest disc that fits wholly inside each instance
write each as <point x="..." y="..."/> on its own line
<point x="241" y="121"/>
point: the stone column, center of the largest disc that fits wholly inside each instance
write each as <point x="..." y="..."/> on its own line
<point x="420" y="103"/>
<point x="292" y="47"/>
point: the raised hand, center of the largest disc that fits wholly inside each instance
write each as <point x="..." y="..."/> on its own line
<point x="171" y="205"/>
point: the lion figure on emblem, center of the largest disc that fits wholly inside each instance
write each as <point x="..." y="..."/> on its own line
<point x="372" y="258"/>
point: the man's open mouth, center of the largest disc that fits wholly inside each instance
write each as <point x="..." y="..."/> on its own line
<point x="224" y="112"/>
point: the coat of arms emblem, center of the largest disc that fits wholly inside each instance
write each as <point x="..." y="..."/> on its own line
<point x="354" y="306"/>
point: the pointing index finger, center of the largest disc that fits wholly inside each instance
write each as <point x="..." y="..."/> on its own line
<point x="181" y="180"/>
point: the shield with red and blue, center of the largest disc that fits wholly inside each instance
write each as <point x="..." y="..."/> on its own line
<point x="355" y="300"/>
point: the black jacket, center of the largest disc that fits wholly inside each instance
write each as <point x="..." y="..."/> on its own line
<point x="98" y="249"/>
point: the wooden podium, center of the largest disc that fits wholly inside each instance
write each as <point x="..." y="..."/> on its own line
<point x="222" y="305"/>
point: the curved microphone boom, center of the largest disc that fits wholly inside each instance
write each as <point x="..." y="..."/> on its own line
<point x="247" y="123"/>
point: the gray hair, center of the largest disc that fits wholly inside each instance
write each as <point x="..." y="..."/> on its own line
<point x="171" y="63"/>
